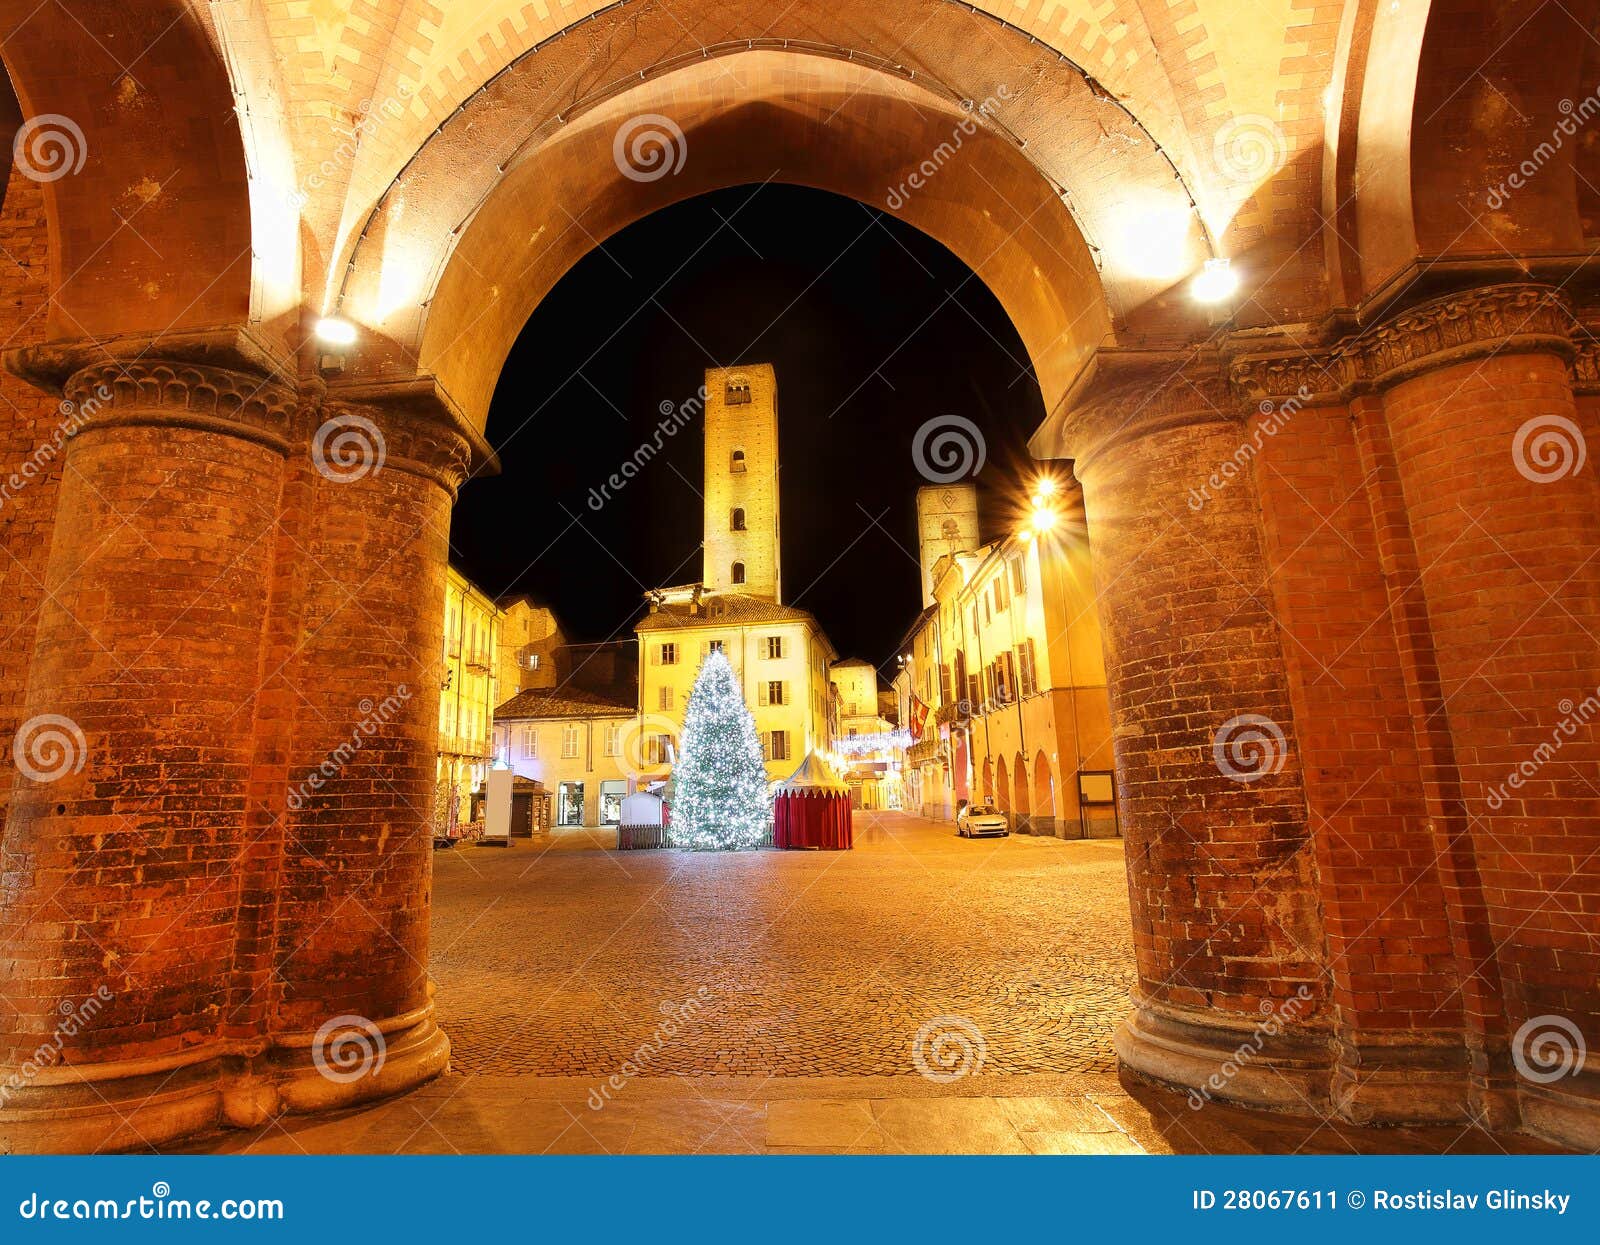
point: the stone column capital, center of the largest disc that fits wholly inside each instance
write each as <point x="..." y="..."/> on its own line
<point x="409" y="425"/>
<point x="223" y="381"/>
<point x="1129" y="394"/>
<point x="1457" y="327"/>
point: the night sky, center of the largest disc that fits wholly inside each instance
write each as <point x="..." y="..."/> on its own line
<point x="872" y="327"/>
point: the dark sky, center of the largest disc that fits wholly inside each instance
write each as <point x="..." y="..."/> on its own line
<point x="872" y="327"/>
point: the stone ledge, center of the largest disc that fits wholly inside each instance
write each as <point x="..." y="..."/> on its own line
<point x="155" y="1105"/>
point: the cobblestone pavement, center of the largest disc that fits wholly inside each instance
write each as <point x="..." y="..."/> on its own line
<point x="1006" y="956"/>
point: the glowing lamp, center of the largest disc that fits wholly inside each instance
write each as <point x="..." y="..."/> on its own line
<point x="1216" y="283"/>
<point x="1047" y="486"/>
<point x="334" y="331"/>
<point x="1043" y="520"/>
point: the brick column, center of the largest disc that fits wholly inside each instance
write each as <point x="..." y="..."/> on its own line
<point x="215" y="875"/>
<point x="117" y="885"/>
<point x="1227" y="930"/>
<point x="1495" y="466"/>
<point x="352" y="917"/>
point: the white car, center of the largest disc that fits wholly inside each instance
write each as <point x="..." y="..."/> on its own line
<point x="978" y="820"/>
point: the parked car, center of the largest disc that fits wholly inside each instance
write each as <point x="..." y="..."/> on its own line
<point x="975" y="821"/>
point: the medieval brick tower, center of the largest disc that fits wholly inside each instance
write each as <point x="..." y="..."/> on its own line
<point x="741" y="535"/>
<point x="947" y="522"/>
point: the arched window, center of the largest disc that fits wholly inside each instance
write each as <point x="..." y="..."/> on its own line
<point x="738" y="572"/>
<point x="736" y="521"/>
<point x="738" y="461"/>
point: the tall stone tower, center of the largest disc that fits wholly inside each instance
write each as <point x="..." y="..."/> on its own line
<point x="741" y="541"/>
<point x="947" y="522"/>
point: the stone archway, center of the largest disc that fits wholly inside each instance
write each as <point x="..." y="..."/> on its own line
<point x="1019" y="794"/>
<point x="1044" y="801"/>
<point x="240" y="898"/>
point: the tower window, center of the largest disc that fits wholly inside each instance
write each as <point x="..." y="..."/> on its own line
<point x="738" y="461"/>
<point x="738" y="572"/>
<point x="736" y="520"/>
<point x="738" y="393"/>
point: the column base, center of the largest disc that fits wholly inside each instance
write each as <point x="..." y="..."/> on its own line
<point x="1372" y="1080"/>
<point x="1566" y="1112"/>
<point x="146" y="1103"/>
<point x="1217" y="1057"/>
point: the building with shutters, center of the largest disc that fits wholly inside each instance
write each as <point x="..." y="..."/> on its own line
<point x="1002" y="685"/>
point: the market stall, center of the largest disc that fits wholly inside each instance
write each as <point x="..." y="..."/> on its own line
<point x="811" y="809"/>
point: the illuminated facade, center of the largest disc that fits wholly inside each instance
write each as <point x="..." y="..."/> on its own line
<point x="1002" y="685"/>
<point x="779" y="654"/>
<point x="470" y="685"/>
<point x="873" y="773"/>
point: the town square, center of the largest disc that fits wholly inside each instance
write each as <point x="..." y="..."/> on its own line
<point x="623" y="586"/>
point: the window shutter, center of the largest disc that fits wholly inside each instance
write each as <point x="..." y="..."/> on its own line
<point x="762" y="695"/>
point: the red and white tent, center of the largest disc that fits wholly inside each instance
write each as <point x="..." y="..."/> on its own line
<point x="811" y="808"/>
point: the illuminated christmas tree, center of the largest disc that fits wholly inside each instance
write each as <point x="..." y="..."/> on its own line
<point x="721" y="800"/>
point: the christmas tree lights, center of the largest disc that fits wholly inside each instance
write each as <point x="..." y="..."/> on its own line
<point x="721" y="799"/>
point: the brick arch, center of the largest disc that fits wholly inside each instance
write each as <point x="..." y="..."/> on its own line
<point x="1442" y="107"/>
<point x="153" y="232"/>
<point x="419" y="276"/>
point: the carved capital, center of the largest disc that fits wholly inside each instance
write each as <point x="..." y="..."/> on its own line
<point x="1496" y="319"/>
<point x="1586" y="360"/>
<point x="1309" y="376"/>
<point x="1133" y="394"/>
<point x="155" y="392"/>
<point x="408" y="426"/>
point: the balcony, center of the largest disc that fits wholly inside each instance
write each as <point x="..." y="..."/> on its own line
<point x="479" y="661"/>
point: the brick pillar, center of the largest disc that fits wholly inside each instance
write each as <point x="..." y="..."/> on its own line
<point x="1227" y="932"/>
<point x="352" y="919"/>
<point x="1495" y="464"/>
<point x="117" y="884"/>
<point x="216" y="867"/>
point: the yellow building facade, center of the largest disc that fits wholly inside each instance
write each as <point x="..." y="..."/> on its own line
<point x="779" y="654"/>
<point x="581" y="745"/>
<point x="469" y="688"/>
<point x="1003" y="685"/>
<point x="871" y="773"/>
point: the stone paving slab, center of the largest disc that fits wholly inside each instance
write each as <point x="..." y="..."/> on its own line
<point x="557" y="958"/>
